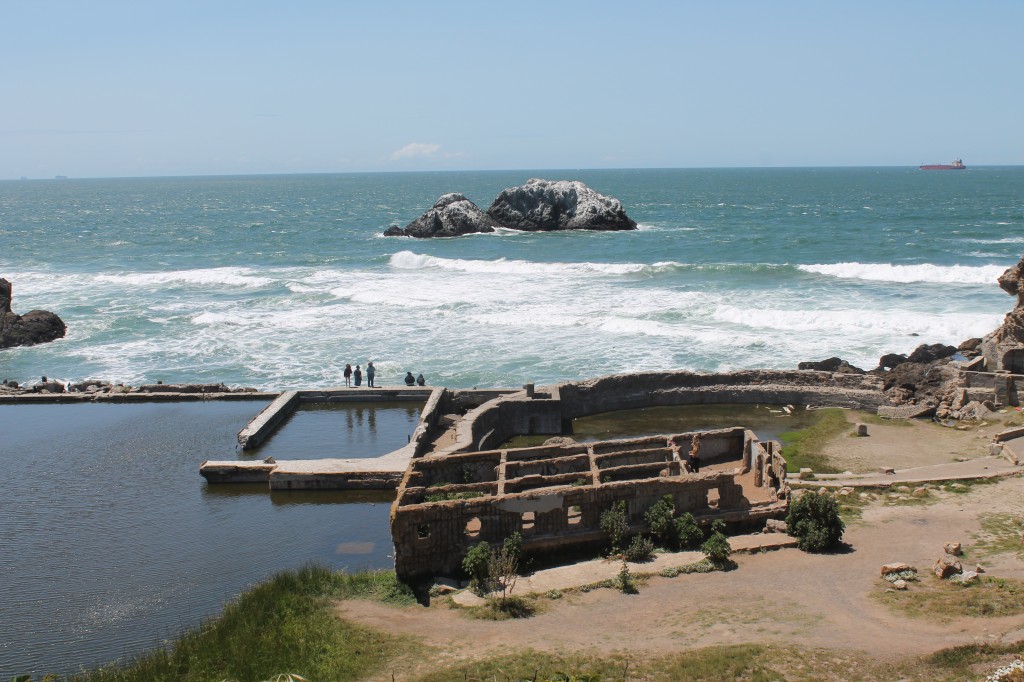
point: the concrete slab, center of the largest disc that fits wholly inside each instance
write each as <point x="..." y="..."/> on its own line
<point x="982" y="467"/>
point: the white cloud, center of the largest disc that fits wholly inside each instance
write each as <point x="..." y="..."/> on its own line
<point x="415" y="149"/>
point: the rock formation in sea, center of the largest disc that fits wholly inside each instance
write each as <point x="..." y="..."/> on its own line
<point x="36" y="326"/>
<point x="544" y="205"/>
<point x="539" y="205"/>
<point x="450" y="216"/>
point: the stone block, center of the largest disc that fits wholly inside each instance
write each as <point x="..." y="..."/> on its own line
<point x="953" y="548"/>
<point x="897" y="567"/>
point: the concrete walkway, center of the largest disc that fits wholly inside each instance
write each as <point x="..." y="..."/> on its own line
<point x="599" y="570"/>
<point x="982" y="467"/>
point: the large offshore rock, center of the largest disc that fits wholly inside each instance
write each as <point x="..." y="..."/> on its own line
<point x="37" y="326"/>
<point x="450" y="216"/>
<point x="543" y="205"/>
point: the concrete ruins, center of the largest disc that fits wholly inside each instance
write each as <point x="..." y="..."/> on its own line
<point x="554" y="495"/>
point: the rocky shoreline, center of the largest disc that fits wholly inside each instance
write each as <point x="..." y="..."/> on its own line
<point x="36" y="326"/>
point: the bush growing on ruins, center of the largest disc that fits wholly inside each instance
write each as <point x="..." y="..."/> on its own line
<point x="716" y="548"/>
<point x="688" y="533"/>
<point x="503" y="568"/>
<point x="640" y="549"/>
<point x="615" y="523"/>
<point x="815" y="522"/>
<point x="477" y="564"/>
<point x="660" y="521"/>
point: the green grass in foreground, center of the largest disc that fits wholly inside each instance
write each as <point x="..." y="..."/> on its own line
<point x="284" y="625"/>
<point x="803" y="448"/>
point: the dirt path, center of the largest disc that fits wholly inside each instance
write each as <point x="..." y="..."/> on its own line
<point x="785" y="596"/>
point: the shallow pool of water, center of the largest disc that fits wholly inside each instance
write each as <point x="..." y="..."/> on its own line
<point x="320" y="430"/>
<point x="111" y="541"/>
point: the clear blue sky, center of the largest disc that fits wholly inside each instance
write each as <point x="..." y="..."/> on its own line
<point x="136" y="88"/>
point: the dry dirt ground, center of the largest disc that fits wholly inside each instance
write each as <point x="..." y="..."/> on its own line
<point x="907" y="444"/>
<point x="784" y="596"/>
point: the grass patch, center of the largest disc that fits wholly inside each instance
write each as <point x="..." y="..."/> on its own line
<point x="1000" y="534"/>
<point x="283" y="625"/>
<point x="943" y="600"/>
<point x="513" y="606"/>
<point x="803" y="448"/>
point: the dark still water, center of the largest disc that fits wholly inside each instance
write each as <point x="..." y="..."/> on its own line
<point x="111" y="542"/>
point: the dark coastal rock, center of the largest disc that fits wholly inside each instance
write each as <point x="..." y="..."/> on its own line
<point x="832" y="365"/>
<point x="543" y="205"/>
<point x="37" y="326"/>
<point x="931" y="353"/>
<point x="450" y="216"/>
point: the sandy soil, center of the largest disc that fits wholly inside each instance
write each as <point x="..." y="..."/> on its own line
<point x="906" y="444"/>
<point x="784" y="596"/>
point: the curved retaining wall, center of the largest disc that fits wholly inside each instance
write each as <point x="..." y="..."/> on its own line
<point x="545" y="413"/>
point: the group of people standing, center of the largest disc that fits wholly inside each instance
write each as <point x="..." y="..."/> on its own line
<point x="355" y="377"/>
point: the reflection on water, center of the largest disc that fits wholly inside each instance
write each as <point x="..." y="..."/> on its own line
<point x="110" y="540"/>
<point x="320" y="430"/>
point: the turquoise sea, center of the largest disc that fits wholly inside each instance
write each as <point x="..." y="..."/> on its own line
<point x="278" y="281"/>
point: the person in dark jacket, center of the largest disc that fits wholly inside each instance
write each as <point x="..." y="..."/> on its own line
<point x="348" y="375"/>
<point x="371" y="372"/>
<point x="410" y="380"/>
<point x="358" y="376"/>
<point x="421" y="381"/>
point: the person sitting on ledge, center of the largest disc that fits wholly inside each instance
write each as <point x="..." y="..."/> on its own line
<point x="421" y="381"/>
<point x="409" y="380"/>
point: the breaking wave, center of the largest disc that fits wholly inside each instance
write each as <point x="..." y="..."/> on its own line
<point x="886" y="272"/>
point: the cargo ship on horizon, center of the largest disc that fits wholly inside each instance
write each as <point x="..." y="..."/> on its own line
<point x="956" y="165"/>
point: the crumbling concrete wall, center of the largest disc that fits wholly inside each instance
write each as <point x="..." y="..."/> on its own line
<point x="555" y="495"/>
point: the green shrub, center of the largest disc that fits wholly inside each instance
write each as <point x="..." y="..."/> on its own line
<point x="615" y="523"/>
<point x="660" y="521"/>
<point x="688" y="533"/>
<point x="815" y="522"/>
<point x="476" y="564"/>
<point x="640" y="549"/>
<point x="716" y="548"/>
<point x="625" y="581"/>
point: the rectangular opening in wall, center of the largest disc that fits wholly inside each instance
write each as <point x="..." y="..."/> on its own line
<point x="713" y="498"/>
<point x="473" y="528"/>
<point x="575" y="515"/>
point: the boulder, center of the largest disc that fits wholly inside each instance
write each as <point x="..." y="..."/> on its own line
<point x="969" y="577"/>
<point x="837" y="365"/>
<point x="775" y="526"/>
<point x="897" y="567"/>
<point x="544" y="205"/>
<point x="450" y="216"/>
<point x="953" y="548"/>
<point x="900" y="584"/>
<point x="946" y="566"/>
<point x="37" y="326"/>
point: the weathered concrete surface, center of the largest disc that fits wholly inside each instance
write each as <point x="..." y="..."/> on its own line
<point x="262" y="425"/>
<point x="371" y="473"/>
<point x="60" y="398"/>
<point x="982" y="467"/>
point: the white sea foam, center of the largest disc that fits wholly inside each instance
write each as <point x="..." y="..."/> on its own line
<point x="926" y="272"/>
<point x="407" y="260"/>
<point x="236" y="277"/>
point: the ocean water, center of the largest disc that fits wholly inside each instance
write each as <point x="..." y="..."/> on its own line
<point x="278" y="281"/>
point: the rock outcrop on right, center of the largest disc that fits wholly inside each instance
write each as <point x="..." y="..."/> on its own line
<point x="1004" y="347"/>
<point x="36" y="326"/>
<point x="544" y="205"/>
